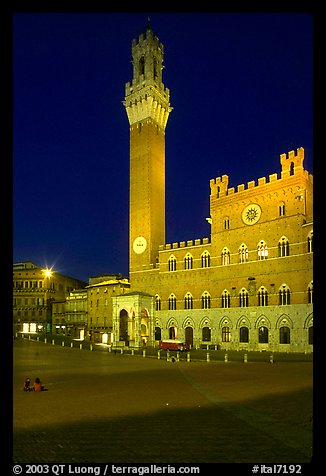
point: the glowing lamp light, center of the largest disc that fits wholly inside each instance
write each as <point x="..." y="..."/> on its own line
<point x="47" y="272"/>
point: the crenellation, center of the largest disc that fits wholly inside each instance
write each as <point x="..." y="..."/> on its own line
<point x="291" y="164"/>
<point x="251" y="184"/>
<point x="184" y="244"/>
<point x="272" y="178"/>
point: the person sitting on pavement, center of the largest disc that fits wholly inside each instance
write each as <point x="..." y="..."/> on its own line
<point x="27" y="384"/>
<point x="38" y="387"/>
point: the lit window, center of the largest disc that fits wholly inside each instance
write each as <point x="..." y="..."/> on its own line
<point x="281" y="209"/>
<point x="310" y="242"/>
<point x="243" y="253"/>
<point x="310" y="293"/>
<point x="225" y="256"/>
<point x="262" y="251"/>
<point x="226" y="334"/>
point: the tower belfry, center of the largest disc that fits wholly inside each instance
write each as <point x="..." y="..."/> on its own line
<point x="147" y="104"/>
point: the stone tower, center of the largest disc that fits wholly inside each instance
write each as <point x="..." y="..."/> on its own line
<point x="147" y="104"/>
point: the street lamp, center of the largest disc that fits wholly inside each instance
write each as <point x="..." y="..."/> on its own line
<point x="48" y="320"/>
<point x="48" y="272"/>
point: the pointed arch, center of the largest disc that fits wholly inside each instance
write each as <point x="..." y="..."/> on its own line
<point x="205" y="259"/>
<point x="188" y="301"/>
<point x="243" y="321"/>
<point x="172" y="263"/>
<point x="284" y="320"/>
<point x="205" y="300"/>
<point x="188" y="261"/>
<point x="172" y="301"/>
<point x="243" y="253"/>
<point x="188" y="322"/>
<point x="225" y="256"/>
<point x="283" y="246"/>
<point x="262" y="250"/>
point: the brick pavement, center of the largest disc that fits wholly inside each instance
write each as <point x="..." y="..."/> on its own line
<point x="102" y="407"/>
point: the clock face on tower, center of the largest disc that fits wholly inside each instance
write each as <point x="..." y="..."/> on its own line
<point x="251" y="214"/>
<point x="139" y="245"/>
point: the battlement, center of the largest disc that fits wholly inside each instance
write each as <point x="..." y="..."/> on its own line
<point x="147" y="36"/>
<point x="184" y="244"/>
<point x="291" y="165"/>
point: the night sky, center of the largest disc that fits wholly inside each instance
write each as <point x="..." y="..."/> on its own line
<point x="241" y="89"/>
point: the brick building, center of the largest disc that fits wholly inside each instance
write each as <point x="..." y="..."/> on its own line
<point x="247" y="286"/>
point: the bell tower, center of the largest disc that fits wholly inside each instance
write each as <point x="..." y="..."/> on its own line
<point x="147" y="104"/>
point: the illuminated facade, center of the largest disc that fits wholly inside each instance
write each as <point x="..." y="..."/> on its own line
<point x="101" y="291"/>
<point x="34" y="292"/>
<point x="247" y="286"/>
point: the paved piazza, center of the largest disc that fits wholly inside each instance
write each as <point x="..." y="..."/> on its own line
<point x="107" y="408"/>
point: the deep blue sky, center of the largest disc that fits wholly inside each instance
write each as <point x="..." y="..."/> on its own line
<point x="241" y="92"/>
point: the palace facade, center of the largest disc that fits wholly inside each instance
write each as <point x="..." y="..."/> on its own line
<point x="247" y="286"/>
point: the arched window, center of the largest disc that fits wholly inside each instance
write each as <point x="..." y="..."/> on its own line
<point x="205" y="259"/>
<point x="243" y="253"/>
<point x="310" y="293"/>
<point x="244" y="334"/>
<point x="205" y="300"/>
<point x="206" y="334"/>
<point x="284" y="295"/>
<point x="188" y="301"/>
<point x="226" y="223"/>
<point x="263" y="335"/>
<point x="225" y="298"/>
<point x="225" y="256"/>
<point x="157" y="303"/>
<point x="283" y="247"/>
<point x="172" y="262"/>
<point x="262" y="296"/>
<point x="310" y="242"/>
<point x="188" y="261"/>
<point x="226" y="334"/>
<point x="172" y="302"/>
<point x="262" y="250"/>
<point x="243" y="298"/>
<point x="284" y="335"/>
<point x="281" y="209"/>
